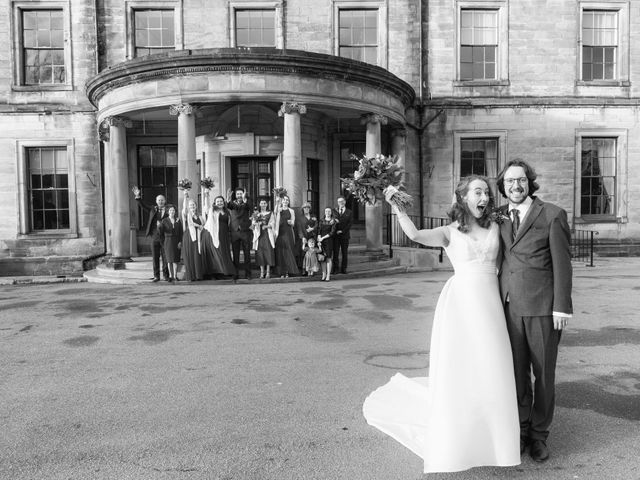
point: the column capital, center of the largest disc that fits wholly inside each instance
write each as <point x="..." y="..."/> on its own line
<point x="292" y="107"/>
<point x="373" y="118"/>
<point x="183" y="108"/>
<point x="399" y="132"/>
<point x="115" y="121"/>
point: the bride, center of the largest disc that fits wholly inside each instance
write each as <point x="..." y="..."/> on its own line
<point x="464" y="414"/>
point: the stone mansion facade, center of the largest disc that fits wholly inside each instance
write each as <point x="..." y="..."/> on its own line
<point x="98" y="96"/>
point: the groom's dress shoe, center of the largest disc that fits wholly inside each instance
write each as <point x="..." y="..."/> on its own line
<point x="539" y="451"/>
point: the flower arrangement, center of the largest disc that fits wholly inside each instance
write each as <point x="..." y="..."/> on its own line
<point x="373" y="175"/>
<point x="280" y="192"/>
<point x="207" y="183"/>
<point x="184" y="184"/>
<point x="497" y="216"/>
<point x="259" y="218"/>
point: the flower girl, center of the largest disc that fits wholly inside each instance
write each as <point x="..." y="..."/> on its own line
<point x="310" y="263"/>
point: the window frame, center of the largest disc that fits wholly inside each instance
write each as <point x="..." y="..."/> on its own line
<point x="459" y="135"/>
<point x="18" y="66"/>
<point x="131" y="6"/>
<point x="383" y="22"/>
<point x="502" y="50"/>
<point x="620" y="214"/>
<point x="623" y="44"/>
<point x="275" y="5"/>
<point x="24" y="227"/>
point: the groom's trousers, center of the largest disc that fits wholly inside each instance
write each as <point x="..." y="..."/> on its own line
<point x="534" y="345"/>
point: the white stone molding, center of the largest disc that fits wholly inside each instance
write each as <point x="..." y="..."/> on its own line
<point x="373" y="118"/>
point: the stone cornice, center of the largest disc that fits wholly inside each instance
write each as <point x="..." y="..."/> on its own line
<point x="250" y="61"/>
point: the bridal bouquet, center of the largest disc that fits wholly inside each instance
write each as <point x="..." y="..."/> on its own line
<point x="259" y="218"/>
<point x="280" y="192"/>
<point x="184" y="184"/>
<point x="373" y="175"/>
<point x="207" y="183"/>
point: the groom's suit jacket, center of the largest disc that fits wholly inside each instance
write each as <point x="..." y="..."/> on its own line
<point x="535" y="273"/>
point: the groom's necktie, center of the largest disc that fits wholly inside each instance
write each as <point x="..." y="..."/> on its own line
<point x="516" y="221"/>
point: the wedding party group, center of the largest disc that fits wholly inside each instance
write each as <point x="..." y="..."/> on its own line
<point x="217" y="242"/>
<point x="490" y="390"/>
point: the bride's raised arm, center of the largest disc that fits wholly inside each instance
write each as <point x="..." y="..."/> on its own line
<point x="436" y="237"/>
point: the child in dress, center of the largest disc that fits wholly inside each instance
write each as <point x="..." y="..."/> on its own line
<point x="310" y="263"/>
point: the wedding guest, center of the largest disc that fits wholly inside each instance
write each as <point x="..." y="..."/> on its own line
<point x="264" y="242"/>
<point x="241" y="209"/>
<point x="344" y="216"/>
<point x="216" y="238"/>
<point x="171" y="230"/>
<point x="192" y="240"/>
<point x="307" y="225"/>
<point x="157" y="213"/>
<point x="285" y="239"/>
<point x="311" y="264"/>
<point x="326" y="231"/>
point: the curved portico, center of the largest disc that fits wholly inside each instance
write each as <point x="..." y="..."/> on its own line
<point x="197" y="89"/>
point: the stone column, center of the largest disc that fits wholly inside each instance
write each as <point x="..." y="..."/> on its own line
<point x="103" y="135"/>
<point x="187" y="162"/>
<point x="118" y="193"/>
<point x="293" y="170"/>
<point x="374" y="221"/>
<point x="399" y="144"/>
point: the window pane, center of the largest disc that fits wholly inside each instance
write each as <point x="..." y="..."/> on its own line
<point x="38" y="220"/>
<point x="63" y="219"/>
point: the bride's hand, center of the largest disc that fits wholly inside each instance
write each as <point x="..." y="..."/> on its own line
<point x="389" y="192"/>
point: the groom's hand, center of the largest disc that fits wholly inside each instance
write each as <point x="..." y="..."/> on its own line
<point x="559" y="323"/>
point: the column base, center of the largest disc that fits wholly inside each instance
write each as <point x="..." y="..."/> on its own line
<point x="117" y="263"/>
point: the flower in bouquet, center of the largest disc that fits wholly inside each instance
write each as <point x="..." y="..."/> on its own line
<point x="280" y="192"/>
<point x="259" y="218"/>
<point x="372" y="176"/>
<point x="184" y="184"/>
<point x="207" y="183"/>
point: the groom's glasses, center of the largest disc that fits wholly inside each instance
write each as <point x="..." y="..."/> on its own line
<point x="511" y="181"/>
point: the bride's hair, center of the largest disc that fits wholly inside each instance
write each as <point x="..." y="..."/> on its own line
<point x="460" y="212"/>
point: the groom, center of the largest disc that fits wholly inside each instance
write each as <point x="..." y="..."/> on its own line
<point x="535" y="284"/>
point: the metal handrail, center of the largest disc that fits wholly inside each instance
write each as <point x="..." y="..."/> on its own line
<point x="582" y="246"/>
<point x="397" y="238"/>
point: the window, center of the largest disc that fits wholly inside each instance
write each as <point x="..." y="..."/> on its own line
<point x="256" y="23"/>
<point x="48" y="188"/>
<point x="358" y="35"/>
<point x="158" y="174"/>
<point x="313" y="185"/>
<point x="255" y="28"/>
<point x="479" y="153"/>
<point x="42" y="58"/>
<point x="598" y="176"/>
<point x="154" y="32"/>
<point x="599" y="45"/>
<point x="482" y="43"/>
<point x="603" y="55"/>
<point x="478" y="44"/>
<point x="153" y="26"/>
<point x="43" y="47"/>
<point x="601" y="179"/>
<point x="479" y="156"/>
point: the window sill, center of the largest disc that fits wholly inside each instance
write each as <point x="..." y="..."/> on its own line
<point x="42" y="88"/>
<point x="481" y="83"/>
<point x="47" y="235"/>
<point x="603" y="83"/>
<point x="598" y="219"/>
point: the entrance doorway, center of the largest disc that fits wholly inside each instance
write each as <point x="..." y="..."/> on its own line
<point x="255" y="175"/>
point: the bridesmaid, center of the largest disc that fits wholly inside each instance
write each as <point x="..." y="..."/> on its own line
<point x="192" y="240"/>
<point x="171" y="229"/>
<point x="217" y="245"/>
<point x="326" y="232"/>
<point x="264" y="239"/>
<point x="285" y="239"/>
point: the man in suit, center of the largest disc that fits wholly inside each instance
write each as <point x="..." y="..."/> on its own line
<point x="157" y="213"/>
<point x="535" y="284"/>
<point x="342" y="236"/>
<point x="240" y="210"/>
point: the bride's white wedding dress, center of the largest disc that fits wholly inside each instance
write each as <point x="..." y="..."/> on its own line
<point x="465" y="413"/>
